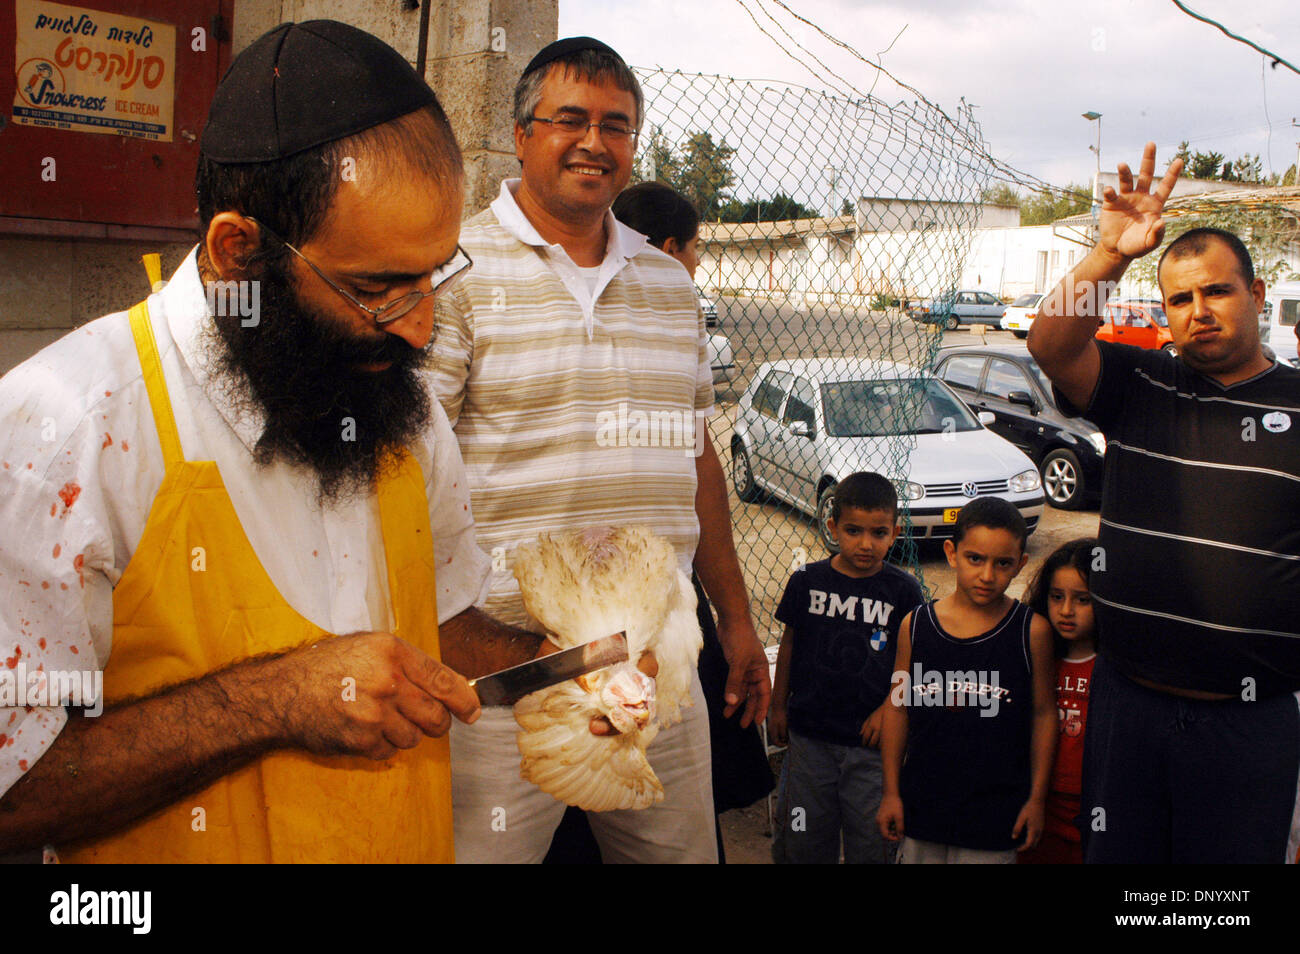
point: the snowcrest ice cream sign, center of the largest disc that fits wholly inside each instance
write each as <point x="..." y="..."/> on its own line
<point x="91" y="71"/>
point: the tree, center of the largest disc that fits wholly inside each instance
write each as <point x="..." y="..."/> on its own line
<point x="1206" y="165"/>
<point x="1245" y="168"/>
<point x="705" y="174"/>
<point x="1288" y="177"/>
<point x="1001" y="194"/>
<point x="658" y="159"/>
<point x="1184" y="154"/>
<point x="847" y="207"/>
<point x="1271" y="233"/>
<point x="778" y="208"/>
<point x="1045" y="207"/>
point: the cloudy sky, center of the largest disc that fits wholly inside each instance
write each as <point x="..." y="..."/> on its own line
<point x="1030" y="66"/>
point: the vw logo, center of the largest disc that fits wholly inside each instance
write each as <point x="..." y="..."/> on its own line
<point x="969" y="489"/>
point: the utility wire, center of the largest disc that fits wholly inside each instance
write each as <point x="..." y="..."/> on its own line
<point x="1240" y="39"/>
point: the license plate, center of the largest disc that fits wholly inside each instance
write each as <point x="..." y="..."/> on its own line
<point x="950" y="514"/>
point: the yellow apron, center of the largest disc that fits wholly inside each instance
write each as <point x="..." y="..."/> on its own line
<point x="173" y="622"/>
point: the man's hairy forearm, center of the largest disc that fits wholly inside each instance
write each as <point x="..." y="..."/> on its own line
<point x="102" y="773"/>
<point x="474" y="644"/>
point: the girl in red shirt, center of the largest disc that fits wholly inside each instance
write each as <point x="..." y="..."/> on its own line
<point x="1060" y="592"/>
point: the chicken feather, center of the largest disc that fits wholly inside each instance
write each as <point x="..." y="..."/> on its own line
<point x="581" y="586"/>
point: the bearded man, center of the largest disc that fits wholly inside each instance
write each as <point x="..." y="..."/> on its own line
<point x="199" y="494"/>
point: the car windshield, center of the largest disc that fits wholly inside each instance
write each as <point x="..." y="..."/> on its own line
<point x="1026" y="301"/>
<point x="1037" y="372"/>
<point x="877" y="408"/>
<point x="1158" y="315"/>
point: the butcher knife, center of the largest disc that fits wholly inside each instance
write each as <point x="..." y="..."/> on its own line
<point x="507" y="686"/>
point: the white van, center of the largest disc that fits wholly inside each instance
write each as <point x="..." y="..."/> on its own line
<point x="1277" y="322"/>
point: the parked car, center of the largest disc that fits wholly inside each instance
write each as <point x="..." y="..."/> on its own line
<point x="1020" y="314"/>
<point x="709" y="308"/>
<point x="720" y="358"/>
<point x="960" y="307"/>
<point x="1006" y="381"/>
<point x="804" y="423"/>
<point x="1277" y="323"/>
<point x="1137" y="321"/>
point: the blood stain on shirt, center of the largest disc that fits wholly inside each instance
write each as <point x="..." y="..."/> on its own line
<point x="108" y="394"/>
<point x="313" y="552"/>
<point x="3" y="736"/>
<point x="58" y="548"/>
<point x="45" y="584"/>
<point x="41" y="643"/>
<point x="63" y="586"/>
<point x="22" y="764"/>
<point x="124" y="446"/>
<point x="108" y="441"/>
<point x="69" y="493"/>
<point x="54" y="509"/>
<point x="12" y="661"/>
<point x="75" y="650"/>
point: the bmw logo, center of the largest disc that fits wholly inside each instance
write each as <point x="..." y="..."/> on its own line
<point x="969" y="488"/>
<point x="878" y="639"/>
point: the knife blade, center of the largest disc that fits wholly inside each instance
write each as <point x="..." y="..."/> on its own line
<point x="507" y="686"/>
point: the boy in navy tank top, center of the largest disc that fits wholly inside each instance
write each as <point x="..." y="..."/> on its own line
<point x="972" y="707"/>
<point x="832" y="677"/>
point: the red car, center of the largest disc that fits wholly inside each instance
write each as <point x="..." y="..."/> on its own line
<point x="1140" y="322"/>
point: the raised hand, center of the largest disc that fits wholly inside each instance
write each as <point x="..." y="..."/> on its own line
<point x="1130" y="224"/>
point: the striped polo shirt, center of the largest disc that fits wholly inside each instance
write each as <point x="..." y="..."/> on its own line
<point x="575" y="406"/>
<point x="1197" y="584"/>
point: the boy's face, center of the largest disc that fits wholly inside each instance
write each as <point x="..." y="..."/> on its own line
<point x="986" y="561"/>
<point x="864" y="536"/>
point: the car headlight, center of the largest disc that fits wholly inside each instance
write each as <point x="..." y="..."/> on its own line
<point x="1024" y="482"/>
<point x="909" y="490"/>
<point x="1098" y="440"/>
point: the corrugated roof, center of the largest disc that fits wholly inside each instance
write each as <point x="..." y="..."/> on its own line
<point x="732" y="232"/>
<point x="1284" y="197"/>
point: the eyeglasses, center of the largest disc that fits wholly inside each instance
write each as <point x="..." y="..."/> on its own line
<point x="572" y="126"/>
<point x="398" y="307"/>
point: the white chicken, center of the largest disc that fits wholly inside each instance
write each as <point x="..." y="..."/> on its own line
<point x="581" y="586"/>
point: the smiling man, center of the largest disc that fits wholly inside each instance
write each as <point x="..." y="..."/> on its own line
<point x="1193" y="743"/>
<point x="194" y="501"/>
<point x="569" y="315"/>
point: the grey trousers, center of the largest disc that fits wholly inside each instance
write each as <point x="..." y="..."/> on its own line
<point x="827" y="790"/>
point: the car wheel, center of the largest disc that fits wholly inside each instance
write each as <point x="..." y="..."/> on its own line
<point x="742" y="475"/>
<point x="824" y="500"/>
<point x="953" y="323"/>
<point x="1170" y="349"/>
<point x="1063" y="479"/>
<point x="1021" y="334"/>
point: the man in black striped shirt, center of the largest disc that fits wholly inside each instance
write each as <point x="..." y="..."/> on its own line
<point x="1193" y="747"/>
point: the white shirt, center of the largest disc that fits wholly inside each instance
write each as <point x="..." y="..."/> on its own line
<point x="80" y="464"/>
<point x="621" y="244"/>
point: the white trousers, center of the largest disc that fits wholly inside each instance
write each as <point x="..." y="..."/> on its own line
<point x="500" y="818"/>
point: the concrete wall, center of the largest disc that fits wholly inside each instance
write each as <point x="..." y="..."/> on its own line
<point x="476" y="51"/>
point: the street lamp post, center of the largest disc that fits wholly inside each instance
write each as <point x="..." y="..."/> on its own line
<point x="1096" y="179"/>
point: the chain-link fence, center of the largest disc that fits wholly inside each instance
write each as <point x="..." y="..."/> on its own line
<point x="826" y="222"/>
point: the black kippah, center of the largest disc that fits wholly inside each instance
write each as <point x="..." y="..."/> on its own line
<point x="561" y="48"/>
<point x="303" y="84"/>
